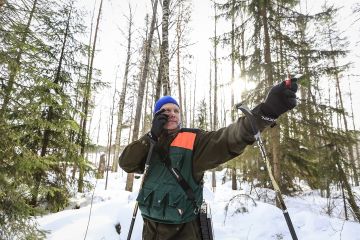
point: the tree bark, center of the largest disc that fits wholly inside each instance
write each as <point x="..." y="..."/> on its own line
<point x="275" y="131"/>
<point x="233" y="169"/>
<point x="215" y="122"/>
<point x="86" y="106"/>
<point x="110" y="138"/>
<point x="178" y="69"/>
<point x="158" y="79"/>
<point x="210" y="94"/>
<point x="194" y="101"/>
<point x="165" y="48"/>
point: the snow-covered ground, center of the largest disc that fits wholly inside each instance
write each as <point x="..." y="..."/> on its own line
<point x="250" y="214"/>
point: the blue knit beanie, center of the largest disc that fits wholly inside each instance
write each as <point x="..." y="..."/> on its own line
<point x="164" y="100"/>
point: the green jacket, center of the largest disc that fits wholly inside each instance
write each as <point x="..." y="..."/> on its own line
<point x="211" y="148"/>
<point x="161" y="199"/>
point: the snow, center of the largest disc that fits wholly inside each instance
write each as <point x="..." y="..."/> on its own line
<point x="250" y="214"/>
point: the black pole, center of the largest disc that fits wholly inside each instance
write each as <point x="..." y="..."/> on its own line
<point x="259" y="142"/>
<point x="147" y="164"/>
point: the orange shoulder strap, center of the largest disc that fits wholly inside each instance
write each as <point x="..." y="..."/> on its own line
<point x="184" y="140"/>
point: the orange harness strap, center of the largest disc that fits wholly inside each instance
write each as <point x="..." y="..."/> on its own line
<point x="184" y="140"/>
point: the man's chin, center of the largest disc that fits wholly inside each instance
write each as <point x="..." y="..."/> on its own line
<point x="172" y="127"/>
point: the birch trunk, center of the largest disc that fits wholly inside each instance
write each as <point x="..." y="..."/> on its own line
<point x="165" y="48"/>
<point x="215" y="122"/>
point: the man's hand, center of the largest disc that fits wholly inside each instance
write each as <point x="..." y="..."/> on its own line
<point x="158" y="124"/>
<point x="280" y="99"/>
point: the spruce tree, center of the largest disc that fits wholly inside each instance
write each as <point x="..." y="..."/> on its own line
<point x="40" y="63"/>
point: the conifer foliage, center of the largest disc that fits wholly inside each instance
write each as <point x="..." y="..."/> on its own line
<point x="40" y="67"/>
<point x="272" y="40"/>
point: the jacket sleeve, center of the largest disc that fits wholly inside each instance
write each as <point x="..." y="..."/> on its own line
<point x="132" y="159"/>
<point x="216" y="147"/>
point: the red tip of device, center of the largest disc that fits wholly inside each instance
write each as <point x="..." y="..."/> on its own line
<point x="288" y="83"/>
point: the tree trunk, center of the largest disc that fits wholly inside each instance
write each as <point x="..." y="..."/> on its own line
<point x="213" y="180"/>
<point x="75" y="165"/>
<point x="122" y="97"/>
<point x="185" y="105"/>
<point x="145" y="125"/>
<point x="165" y="48"/>
<point x="130" y="177"/>
<point x="49" y="118"/>
<point x="144" y="76"/>
<point x="131" y="123"/>
<point x="233" y="169"/>
<point x="344" y="201"/>
<point x="86" y="106"/>
<point x="14" y="67"/>
<point x="160" y="65"/>
<point x="275" y="131"/>
<point x="178" y="70"/>
<point x="110" y="137"/>
<point x="210" y="94"/>
<point x="215" y="122"/>
<point x="242" y="55"/>
<point x="354" y="128"/>
<point x="350" y="197"/>
<point x="97" y="141"/>
<point x="194" y="101"/>
<point x="101" y="168"/>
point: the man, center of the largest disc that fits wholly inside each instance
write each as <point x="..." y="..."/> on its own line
<point x="168" y="211"/>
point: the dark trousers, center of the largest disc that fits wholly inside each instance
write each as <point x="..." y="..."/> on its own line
<point x="160" y="231"/>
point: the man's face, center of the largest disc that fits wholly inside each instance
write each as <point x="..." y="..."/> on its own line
<point x="173" y="113"/>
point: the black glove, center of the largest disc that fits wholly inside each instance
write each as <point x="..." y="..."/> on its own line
<point x="158" y="124"/>
<point x="281" y="98"/>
